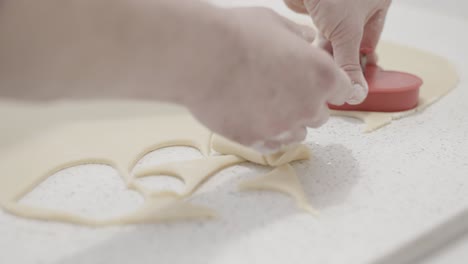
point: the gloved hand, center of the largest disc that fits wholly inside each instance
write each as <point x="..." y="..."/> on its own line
<point x="347" y="28"/>
<point x="247" y="74"/>
<point x="280" y="85"/>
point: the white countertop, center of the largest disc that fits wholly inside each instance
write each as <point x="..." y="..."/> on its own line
<point x="375" y="191"/>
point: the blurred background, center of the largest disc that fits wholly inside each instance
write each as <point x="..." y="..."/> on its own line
<point x="448" y="7"/>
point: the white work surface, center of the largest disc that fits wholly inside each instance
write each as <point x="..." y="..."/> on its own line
<point x="374" y="191"/>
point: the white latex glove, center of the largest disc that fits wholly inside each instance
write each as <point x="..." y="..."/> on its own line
<point x="246" y="73"/>
<point x="348" y="27"/>
<point x="280" y="85"/>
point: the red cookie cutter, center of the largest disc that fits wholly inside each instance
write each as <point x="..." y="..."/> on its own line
<point x="389" y="91"/>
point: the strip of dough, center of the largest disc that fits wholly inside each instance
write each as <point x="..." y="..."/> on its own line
<point x="282" y="179"/>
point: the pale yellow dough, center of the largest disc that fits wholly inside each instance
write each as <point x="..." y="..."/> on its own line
<point x="69" y="134"/>
<point x="39" y="140"/>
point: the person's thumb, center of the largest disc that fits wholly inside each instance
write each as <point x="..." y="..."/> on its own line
<point x="346" y="53"/>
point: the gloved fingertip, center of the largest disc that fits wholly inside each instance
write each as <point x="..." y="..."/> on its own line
<point x="285" y="136"/>
<point x="281" y="141"/>
<point x="308" y="34"/>
<point x="262" y="148"/>
<point x="309" y="38"/>
<point x="359" y="94"/>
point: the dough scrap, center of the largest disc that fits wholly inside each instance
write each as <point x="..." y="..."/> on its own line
<point x="282" y="179"/>
<point x="438" y="74"/>
<point x="295" y="153"/>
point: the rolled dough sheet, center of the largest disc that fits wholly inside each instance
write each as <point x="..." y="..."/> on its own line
<point x="117" y="140"/>
<point x="438" y="74"/>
